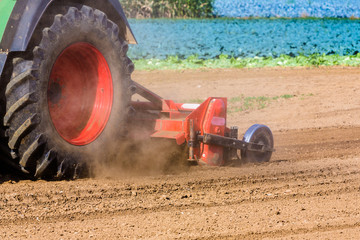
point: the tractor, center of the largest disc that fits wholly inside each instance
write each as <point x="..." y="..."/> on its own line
<point x="66" y="93"/>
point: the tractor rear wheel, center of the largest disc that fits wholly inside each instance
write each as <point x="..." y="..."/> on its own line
<point x="66" y="106"/>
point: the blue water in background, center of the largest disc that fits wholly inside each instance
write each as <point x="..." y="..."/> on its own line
<point x="159" y="38"/>
<point x="287" y="8"/>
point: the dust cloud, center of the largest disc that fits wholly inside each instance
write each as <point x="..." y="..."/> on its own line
<point x="138" y="156"/>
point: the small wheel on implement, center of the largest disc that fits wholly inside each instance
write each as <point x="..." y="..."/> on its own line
<point x="258" y="134"/>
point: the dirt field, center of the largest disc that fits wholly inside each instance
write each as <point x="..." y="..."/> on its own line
<point x="310" y="189"/>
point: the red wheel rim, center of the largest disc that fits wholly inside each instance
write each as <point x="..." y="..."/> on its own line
<point x="80" y="94"/>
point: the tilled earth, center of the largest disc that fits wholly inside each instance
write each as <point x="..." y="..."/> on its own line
<point x="309" y="189"/>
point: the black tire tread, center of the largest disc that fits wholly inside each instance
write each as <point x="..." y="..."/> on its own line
<point x="24" y="100"/>
<point x="39" y="141"/>
<point x="25" y="136"/>
<point x="41" y="168"/>
<point x="18" y="80"/>
<point x="22" y="130"/>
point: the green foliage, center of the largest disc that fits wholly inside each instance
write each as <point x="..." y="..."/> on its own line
<point x="224" y="61"/>
<point x="287" y="96"/>
<point x="242" y="103"/>
<point x="167" y="8"/>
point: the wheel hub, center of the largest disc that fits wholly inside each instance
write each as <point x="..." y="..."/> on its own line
<point x="80" y="93"/>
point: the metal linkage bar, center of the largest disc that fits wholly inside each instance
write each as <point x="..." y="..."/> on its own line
<point x="212" y="139"/>
<point x="147" y="94"/>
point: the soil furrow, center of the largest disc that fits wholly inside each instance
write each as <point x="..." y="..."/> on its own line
<point x="309" y="190"/>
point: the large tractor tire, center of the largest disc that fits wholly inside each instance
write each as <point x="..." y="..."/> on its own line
<point x="67" y="105"/>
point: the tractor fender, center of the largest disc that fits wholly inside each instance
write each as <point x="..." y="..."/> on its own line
<point x="26" y="14"/>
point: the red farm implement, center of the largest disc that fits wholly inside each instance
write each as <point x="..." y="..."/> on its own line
<point x="202" y="127"/>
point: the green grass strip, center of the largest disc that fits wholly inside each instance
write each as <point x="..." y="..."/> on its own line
<point x="225" y="61"/>
<point x="242" y="103"/>
<point x="248" y="103"/>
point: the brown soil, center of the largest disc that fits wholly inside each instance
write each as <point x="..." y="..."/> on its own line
<point x="310" y="188"/>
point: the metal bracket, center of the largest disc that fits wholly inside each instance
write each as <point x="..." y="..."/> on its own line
<point x="212" y="139"/>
